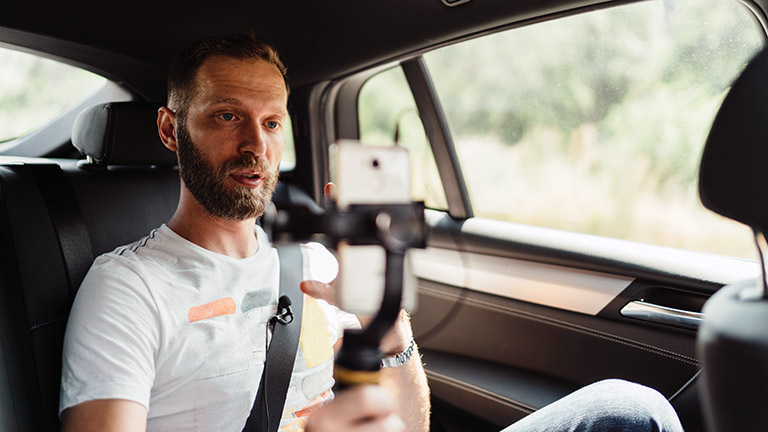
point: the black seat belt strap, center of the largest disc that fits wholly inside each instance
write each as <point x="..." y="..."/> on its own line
<point x="281" y="355"/>
<point x="68" y="220"/>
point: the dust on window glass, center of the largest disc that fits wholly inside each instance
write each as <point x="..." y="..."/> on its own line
<point x="388" y="113"/>
<point x="595" y="122"/>
<point x="33" y="90"/>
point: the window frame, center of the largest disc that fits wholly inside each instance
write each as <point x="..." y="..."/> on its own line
<point x="343" y="103"/>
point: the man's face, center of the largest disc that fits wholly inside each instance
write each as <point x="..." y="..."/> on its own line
<point x="231" y="139"/>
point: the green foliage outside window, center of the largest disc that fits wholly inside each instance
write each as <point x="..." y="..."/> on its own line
<point x="595" y="123"/>
<point x="34" y="90"/>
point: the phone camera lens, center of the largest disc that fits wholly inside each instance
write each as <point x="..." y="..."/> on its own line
<point x="375" y="163"/>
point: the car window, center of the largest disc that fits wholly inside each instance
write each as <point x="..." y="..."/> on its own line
<point x="595" y="122"/>
<point x="288" y="162"/>
<point x="33" y="90"/>
<point x="388" y="113"/>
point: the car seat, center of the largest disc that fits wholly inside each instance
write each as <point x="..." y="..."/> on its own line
<point x="733" y="338"/>
<point x="55" y="217"/>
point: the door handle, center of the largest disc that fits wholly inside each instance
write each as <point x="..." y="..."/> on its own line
<point x="645" y="311"/>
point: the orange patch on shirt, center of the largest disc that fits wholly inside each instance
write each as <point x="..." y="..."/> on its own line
<point x="314" y="403"/>
<point x="225" y="306"/>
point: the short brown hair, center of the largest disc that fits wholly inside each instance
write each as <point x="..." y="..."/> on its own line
<point x="184" y="66"/>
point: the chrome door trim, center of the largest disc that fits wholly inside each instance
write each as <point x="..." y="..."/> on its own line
<point x="662" y="314"/>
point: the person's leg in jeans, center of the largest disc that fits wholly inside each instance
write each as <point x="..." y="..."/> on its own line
<point x="610" y="405"/>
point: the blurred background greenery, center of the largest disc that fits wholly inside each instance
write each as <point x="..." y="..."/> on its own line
<point x="33" y="90"/>
<point x="591" y="123"/>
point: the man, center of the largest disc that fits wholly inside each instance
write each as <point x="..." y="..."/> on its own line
<point x="170" y="333"/>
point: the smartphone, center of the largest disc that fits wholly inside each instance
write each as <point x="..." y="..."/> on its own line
<point x="368" y="175"/>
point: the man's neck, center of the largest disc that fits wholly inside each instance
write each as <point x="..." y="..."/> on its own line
<point x="236" y="239"/>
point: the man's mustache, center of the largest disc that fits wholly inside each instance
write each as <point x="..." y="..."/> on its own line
<point x="248" y="163"/>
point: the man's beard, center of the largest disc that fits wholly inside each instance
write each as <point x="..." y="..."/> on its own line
<point x="206" y="182"/>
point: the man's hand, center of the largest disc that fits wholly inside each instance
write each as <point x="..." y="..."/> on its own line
<point x="363" y="408"/>
<point x="318" y="290"/>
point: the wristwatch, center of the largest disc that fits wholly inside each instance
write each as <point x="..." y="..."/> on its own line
<point x="399" y="359"/>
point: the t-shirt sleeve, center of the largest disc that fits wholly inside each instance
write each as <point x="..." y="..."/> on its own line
<point x="111" y="338"/>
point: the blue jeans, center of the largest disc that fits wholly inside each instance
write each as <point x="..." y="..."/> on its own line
<point x="610" y="405"/>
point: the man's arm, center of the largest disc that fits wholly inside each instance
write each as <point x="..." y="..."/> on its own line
<point x="408" y="383"/>
<point x="105" y="415"/>
<point x="109" y="350"/>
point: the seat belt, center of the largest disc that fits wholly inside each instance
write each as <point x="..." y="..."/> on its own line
<point x="270" y="399"/>
<point x="68" y="221"/>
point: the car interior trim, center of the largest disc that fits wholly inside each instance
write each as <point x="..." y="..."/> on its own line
<point x="662" y="314"/>
<point x="436" y="128"/>
<point x="311" y="108"/>
<point x="479" y="391"/>
<point x="697" y="270"/>
<point x="532" y="375"/>
<point x="650" y="346"/>
<point x="582" y="291"/>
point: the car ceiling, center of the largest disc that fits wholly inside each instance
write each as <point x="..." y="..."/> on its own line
<point x="131" y="42"/>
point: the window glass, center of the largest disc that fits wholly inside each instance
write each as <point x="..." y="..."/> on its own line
<point x="596" y="122"/>
<point x="388" y="113"/>
<point x="33" y="90"/>
<point x="289" y="153"/>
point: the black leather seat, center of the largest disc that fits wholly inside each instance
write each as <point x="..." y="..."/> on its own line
<point x="128" y="186"/>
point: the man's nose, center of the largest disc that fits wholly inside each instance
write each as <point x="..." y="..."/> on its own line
<point x="254" y="141"/>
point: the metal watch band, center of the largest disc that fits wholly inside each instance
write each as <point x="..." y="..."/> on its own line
<point x="399" y="359"/>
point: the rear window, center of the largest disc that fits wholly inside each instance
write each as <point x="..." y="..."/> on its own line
<point x="33" y="90"/>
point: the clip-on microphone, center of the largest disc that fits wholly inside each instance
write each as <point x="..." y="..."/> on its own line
<point x="284" y="313"/>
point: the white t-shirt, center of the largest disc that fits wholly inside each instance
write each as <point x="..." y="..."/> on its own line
<point x="182" y="330"/>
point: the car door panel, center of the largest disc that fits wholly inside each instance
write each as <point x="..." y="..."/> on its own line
<point x="507" y="327"/>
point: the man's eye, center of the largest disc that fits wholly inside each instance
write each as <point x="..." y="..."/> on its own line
<point x="273" y="124"/>
<point x="227" y="116"/>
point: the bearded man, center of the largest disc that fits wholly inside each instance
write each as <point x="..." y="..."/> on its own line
<point x="170" y="332"/>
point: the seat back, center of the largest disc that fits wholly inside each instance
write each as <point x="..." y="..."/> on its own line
<point x="128" y="187"/>
<point x="733" y="337"/>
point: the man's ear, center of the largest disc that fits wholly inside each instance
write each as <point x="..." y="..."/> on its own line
<point x="166" y="127"/>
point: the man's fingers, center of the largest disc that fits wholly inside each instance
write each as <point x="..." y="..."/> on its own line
<point x="364" y="401"/>
<point x="392" y="423"/>
<point x="318" y="290"/>
<point x="364" y="408"/>
<point x="330" y="191"/>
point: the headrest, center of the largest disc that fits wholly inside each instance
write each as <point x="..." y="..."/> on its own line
<point x="733" y="178"/>
<point x="121" y="133"/>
